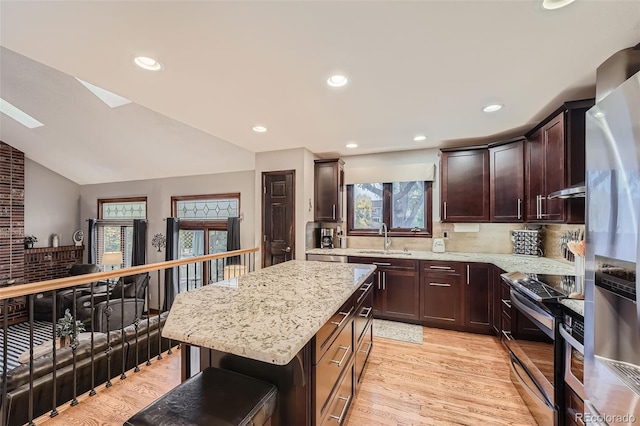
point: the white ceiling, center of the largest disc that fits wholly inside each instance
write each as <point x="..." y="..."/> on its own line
<point x="414" y="67"/>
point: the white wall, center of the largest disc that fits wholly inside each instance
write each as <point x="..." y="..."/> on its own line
<point x="159" y="193"/>
<point x="399" y="159"/>
<point x="51" y="205"/>
<point x="300" y="160"/>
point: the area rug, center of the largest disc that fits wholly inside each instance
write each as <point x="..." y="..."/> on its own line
<point x="410" y="333"/>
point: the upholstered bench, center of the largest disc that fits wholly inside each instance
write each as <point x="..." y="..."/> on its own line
<point x="212" y="397"/>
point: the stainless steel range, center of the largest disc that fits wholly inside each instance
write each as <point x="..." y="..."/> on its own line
<point x="536" y="351"/>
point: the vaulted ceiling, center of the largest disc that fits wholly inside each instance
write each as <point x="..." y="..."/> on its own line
<point x="421" y="67"/>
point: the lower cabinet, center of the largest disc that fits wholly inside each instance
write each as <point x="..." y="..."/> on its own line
<point x="440" y="300"/>
<point x="477" y="297"/>
<point x="362" y="355"/>
<point x="574" y="408"/>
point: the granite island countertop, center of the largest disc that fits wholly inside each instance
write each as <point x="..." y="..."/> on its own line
<point x="507" y="262"/>
<point x="268" y="315"/>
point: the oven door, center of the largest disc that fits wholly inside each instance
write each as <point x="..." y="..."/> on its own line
<point x="532" y="359"/>
<point x="574" y="363"/>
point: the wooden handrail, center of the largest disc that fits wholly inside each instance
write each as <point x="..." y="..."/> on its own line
<point x="31" y="288"/>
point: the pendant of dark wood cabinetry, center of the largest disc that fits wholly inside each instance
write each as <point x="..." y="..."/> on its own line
<point x="507" y="182"/>
<point x="329" y="189"/>
<point x="465" y="185"/>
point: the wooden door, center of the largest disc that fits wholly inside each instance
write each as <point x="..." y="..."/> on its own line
<point x="401" y="291"/>
<point x="441" y="300"/>
<point x="554" y="142"/>
<point x="465" y="186"/>
<point x="507" y="182"/>
<point x="534" y="175"/>
<point x="478" y="297"/>
<point x="278" y="217"/>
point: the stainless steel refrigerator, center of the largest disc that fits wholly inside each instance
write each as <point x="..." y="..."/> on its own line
<point x="612" y="314"/>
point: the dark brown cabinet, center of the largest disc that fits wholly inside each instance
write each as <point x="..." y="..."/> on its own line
<point x="554" y="160"/>
<point x="440" y="300"/>
<point x="396" y="283"/>
<point x="507" y="182"/>
<point x="465" y="185"/>
<point x="329" y="190"/>
<point x="478" y="297"/>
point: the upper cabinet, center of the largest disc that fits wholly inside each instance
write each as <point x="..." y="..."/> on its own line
<point x="465" y="185"/>
<point x="507" y="181"/>
<point x="554" y="160"/>
<point x="329" y="190"/>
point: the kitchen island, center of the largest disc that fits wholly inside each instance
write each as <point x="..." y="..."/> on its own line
<point x="279" y="324"/>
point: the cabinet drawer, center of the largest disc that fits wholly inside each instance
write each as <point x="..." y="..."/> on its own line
<point x="340" y="401"/>
<point x="385" y="262"/>
<point x="330" y="330"/>
<point x="336" y="359"/>
<point x="438" y="267"/>
<point x="363" y="315"/>
<point x="362" y="354"/>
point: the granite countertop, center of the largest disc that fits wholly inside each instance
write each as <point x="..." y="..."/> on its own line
<point x="576" y="305"/>
<point x="267" y="315"/>
<point x="507" y="262"/>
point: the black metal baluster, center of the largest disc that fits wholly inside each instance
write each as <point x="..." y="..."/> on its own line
<point x="159" y="325"/>
<point x="169" y="352"/>
<point x="74" y="348"/>
<point x="54" y="353"/>
<point x="136" y="324"/>
<point x="107" y="312"/>
<point x="30" y="360"/>
<point x="149" y="320"/>
<point x="188" y="278"/>
<point x="123" y="375"/>
<point x="5" y="367"/>
<point x="93" y="331"/>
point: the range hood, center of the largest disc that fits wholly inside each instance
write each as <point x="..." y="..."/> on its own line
<point x="575" y="191"/>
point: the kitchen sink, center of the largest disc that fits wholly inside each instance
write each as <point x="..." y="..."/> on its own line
<point x="394" y="252"/>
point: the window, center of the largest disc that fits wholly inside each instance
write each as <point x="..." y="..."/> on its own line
<point x="115" y="226"/>
<point x="405" y="207"/>
<point x="203" y="230"/>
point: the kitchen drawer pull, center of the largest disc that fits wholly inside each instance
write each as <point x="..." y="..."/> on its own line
<point x="439" y="285"/>
<point x="445" y="268"/>
<point x="507" y="335"/>
<point x="344" y="409"/>
<point x="381" y="263"/>
<point x="370" y="344"/>
<point x="346" y="352"/>
<point x="366" y="287"/>
<point x="367" y="314"/>
<point x="507" y="302"/>
<point x="346" y="315"/>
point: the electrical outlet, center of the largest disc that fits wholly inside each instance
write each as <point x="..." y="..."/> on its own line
<point x="445" y="234"/>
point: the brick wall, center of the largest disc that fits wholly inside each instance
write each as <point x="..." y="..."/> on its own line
<point x="11" y="214"/>
<point x="48" y="263"/>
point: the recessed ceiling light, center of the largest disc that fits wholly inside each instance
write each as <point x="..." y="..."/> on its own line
<point x="259" y="129"/>
<point x="147" y="63"/>
<point x="352" y="145"/>
<point x="419" y="138"/>
<point x="492" y="108"/>
<point x="555" y="4"/>
<point x="19" y="115"/>
<point x="337" y="80"/>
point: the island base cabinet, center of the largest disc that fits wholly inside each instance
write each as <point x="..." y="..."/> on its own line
<point x="362" y="356"/>
<point x="339" y="404"/>
<point x="440" y="301"/>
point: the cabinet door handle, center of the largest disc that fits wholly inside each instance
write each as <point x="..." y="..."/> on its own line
<point x="507" y="303"/>
<point x="368" y="349"/>
<point x="507" y="335"/>
<point x="334" y="211"/>
<point x="344" y="409"/>
<point x="446" y="268"/>
<point x="468" y="273"/>
<point x="439" y="285"/>
<point x="381" y="264"/>
<point x="363" y="315"/>
<point x="378" y="274"/>
<point x="519" y="209"/>
<point x="346" y="352"/>
<point x="445" y="210"/>
<point x="384" y="280"/>
<point x="346" y="315"/>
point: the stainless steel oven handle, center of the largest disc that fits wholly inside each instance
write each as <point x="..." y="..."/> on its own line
<point x="531" y="310"/>
<point x="539" y="395"/>
<point x="592" y="413"/>
<point x="571" y="340"/>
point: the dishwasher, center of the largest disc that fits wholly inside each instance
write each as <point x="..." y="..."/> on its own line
<point x="327" y="258"/>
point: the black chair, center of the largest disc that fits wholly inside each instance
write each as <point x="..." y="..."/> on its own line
<point x="126" y="300"/>
<point x="43" y="302"/>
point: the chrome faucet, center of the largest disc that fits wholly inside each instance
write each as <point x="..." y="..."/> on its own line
<point x="387" y="240"/>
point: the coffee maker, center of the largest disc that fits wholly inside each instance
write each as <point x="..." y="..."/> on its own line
<point x="326" y="237"/>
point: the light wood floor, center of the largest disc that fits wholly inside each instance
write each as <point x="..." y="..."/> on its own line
<point x="453" y="378"/>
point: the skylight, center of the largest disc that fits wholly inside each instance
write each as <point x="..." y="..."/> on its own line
<point x="109" y="98"/>
<point x="19" y="115"/>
